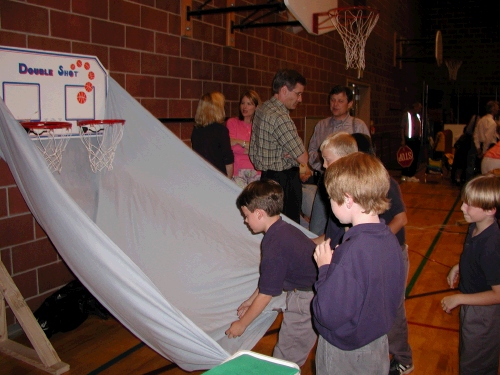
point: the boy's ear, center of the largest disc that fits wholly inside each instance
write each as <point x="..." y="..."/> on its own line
<point x="492" y="212"/>
<point x="260" y="213"/>
<point x="348" y="201"/>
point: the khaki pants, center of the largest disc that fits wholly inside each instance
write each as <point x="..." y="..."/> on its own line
<point x="297" y="336"/>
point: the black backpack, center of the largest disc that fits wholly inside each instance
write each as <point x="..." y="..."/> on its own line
<point x="67" y="308"/>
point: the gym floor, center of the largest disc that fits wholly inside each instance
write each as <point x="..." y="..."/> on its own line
<point x="435" y="233"/>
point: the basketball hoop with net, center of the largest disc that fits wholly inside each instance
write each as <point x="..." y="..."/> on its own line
<point x="52" y="138"/>
<point x="354" y="25"/>
<point x="101" y="137"/>
<point x="453" y="66"/>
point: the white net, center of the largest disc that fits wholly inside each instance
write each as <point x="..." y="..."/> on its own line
<point x="453" y="66"/>
<point x="101" y="137"/>
<point x="354" y="25"/>
<point x="51" y="139"/>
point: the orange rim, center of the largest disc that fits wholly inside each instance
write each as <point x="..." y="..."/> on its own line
<point x="98" y="122"/>
<point x="49" y="125"/>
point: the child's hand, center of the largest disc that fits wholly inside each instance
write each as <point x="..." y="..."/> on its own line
<point x="236" y="329"/>
<point x="448" y="303"/>
<point x="323" y="253"/>
<point x="452" y="277"/>
<point x="243" y="308"/>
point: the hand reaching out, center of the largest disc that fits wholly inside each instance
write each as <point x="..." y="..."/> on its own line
<point x="236" y="330"/>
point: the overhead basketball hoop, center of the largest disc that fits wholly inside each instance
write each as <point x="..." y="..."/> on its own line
<point x="52" y="138"/>
<point x="101" y="137"/>
<point x="453" y="66"/>
<point x="354" y="25"/>
<point x="418" y="50"/>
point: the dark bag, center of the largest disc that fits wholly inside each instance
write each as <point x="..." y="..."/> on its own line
<point x="67" y="308"/>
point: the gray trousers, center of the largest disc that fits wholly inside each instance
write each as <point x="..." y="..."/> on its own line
<point x="371" y="359"/>
<point x="479" y="349"/>
<point x="398" y="335"/>
<point x="320" y="210"/>
<point x="297" y="335"/>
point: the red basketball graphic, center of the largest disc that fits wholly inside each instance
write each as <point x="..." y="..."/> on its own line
<point x="72" y="66"/>
<point x="89" y="87"/>
<point x="86" y="66"/>
<point x="81" y="97"/>
<point x="79" y="63"/>
<point x="91" y="75"/>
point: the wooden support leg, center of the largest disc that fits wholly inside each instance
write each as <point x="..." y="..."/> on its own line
<point x="43" y="356"/>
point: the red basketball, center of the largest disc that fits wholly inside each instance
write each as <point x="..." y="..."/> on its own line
<point x="79" y="63"/>
<point x="88" y="87"/>
<point x="91" y="75"/>
<point x="86" y="66"/>
<point x="72" y="67"/>
<point x="81" y="97"/>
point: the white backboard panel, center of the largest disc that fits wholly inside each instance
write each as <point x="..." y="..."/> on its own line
<point x="50" y="86"/>
<point x="27" y="93"/>
<point x="303" y="11"/>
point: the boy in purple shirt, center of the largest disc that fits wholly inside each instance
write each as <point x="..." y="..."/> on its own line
<point x="286" y="265"/>
<point x="360" y="284"/>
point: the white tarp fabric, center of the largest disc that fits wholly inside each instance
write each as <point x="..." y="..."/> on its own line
<point x="158" y="239"/>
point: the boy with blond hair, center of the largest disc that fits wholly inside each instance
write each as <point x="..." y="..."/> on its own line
<point x="360" y="284"/>
<point x="479" y="273"/>
<point x="286" y="265"/>
<point x="334" y="147"/>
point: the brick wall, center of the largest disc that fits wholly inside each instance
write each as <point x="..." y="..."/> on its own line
<point x="140" y="43"/>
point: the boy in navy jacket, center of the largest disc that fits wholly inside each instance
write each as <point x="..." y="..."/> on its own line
<point x="360" y="283"/>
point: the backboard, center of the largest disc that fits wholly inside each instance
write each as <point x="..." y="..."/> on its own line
<point x="50" y="86"/>
<point x="304" y="10"/>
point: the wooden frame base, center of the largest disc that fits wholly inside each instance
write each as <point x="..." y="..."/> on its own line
<point x="43" y="356"/>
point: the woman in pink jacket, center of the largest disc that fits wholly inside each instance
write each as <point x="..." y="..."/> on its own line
<point x="240" y="130"/>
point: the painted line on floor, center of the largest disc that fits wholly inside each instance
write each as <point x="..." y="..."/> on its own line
<point x="116" y="359"/>
<point x="160" y="370"/>
<point x="434" y="327"/>
<point x="431" y="249"/>
<point x="430" y="293"/>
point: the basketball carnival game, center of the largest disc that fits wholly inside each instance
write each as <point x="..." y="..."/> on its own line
<point x="56" y="97"/>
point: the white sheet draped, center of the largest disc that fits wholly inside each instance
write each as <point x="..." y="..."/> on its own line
<point x="158" y="239"/>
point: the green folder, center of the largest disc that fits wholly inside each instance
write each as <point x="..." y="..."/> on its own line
<point x="246" y="364"/>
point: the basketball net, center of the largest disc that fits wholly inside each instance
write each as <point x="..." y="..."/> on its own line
<point x="101" y="137"/>
<point x="354" y="25"/>
<point x="51" y="139"/>
<point x="453" y="66"/>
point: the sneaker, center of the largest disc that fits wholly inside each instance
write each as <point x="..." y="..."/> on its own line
<point x="403" y="178"/>
<point x="397" y="368"/>
<point x="412" y="179"/>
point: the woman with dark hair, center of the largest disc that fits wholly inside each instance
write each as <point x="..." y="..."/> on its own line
<point x="240" y="131"/>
